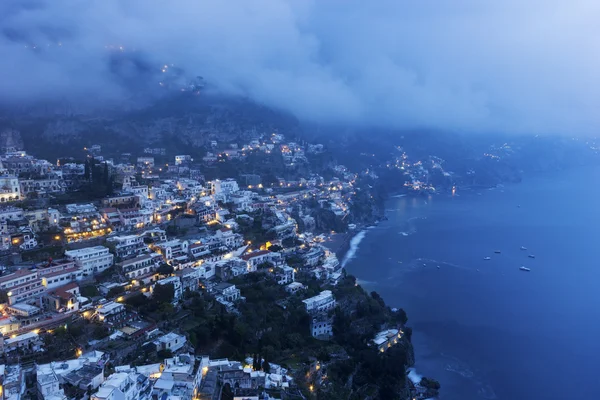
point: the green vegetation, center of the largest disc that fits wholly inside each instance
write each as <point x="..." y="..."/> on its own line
<point x="42" y="254"/>
<point x="114" y="292"/>
<point x="253" y="231"/>
<point x="158" y="307"/>
<point x="165" y="269"/>
<point x="89" y="291"/>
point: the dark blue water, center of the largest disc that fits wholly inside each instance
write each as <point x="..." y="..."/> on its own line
<point x="485" y="329"/>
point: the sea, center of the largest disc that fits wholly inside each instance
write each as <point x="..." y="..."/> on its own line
<point x="484" y="328"/>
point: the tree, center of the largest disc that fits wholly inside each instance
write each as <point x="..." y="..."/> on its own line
<point x="163" y="293"/>
<point x="264" y="265"/>
<point x="138" y="300"/>
<point x="275" y="248"/>
<point x="114" y="292"/>
<point x="100" y="332"/>
<point x="89" y="291"/>
<point x="165" y="269"/>
<point x="266" y="367"/>
<point x="401" y="316"/>
<point x="289" y="242"/>
<point x="227" y="393"/>
<point x="87" y="173"/>
<point x="105" y="174"/>
<point x="165" y="353"/>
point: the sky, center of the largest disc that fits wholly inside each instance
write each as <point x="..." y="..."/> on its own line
<point x="466" y="65"/>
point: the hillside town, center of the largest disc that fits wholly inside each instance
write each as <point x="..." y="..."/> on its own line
<point x="99" y="297"/>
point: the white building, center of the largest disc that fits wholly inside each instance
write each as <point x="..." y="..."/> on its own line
<point x="48" y="385"/>
<point x="386" y="339"/>
<point x="294" y="287"/>
<point x="223" y="188"/>
<point x="22" y="286"/>
<point x="23" y="310"/>
<point x="227" y="291"/>
<point x="228" y="238"/>
<point x="180" y="159"/>
<point x="81" y="209"/>
<point x="140" y="190"/>
<point x="108" y="310"/>
<point x="170" y="341"/>
<point x="140" y="266"/>
<point x="118" y="386"/>
<point x="10" y="190"/>
<point x="17" y="278"/>
<point x="321" y="327"/>
<point x="145" y="162"/>
<point x="61" y="277"/>
<point x="285" y="274"/>
<point x="91" y="260"/>
<point x="128" y="245"/>
<point x="324" y="301"/>
<point x="173" y="249"/>
<point x="254" y="259"/>
<point x="11" y="214"/>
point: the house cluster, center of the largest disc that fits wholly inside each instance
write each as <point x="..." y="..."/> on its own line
<point x="294" y="154"/>
<point x="386" y="339"/>
<point x="320" y="309"/>
<point x="419" y="174"/>
<point x="23" y="176"/>
<point x="180" y="376"/>
<point x="169" y="228"/>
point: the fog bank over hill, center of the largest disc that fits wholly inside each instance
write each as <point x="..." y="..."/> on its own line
<point x="512" y="66"/>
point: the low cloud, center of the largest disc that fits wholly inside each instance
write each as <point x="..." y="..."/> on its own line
<point x="510" y="66"/>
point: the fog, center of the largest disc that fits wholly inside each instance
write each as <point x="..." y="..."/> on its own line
<point x="466" y="65"/>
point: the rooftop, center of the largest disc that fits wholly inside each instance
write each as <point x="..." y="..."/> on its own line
<point x="20" y="338"/>
<point x="136" y="259"/>
<point x="169" y="336"/>
<point x="222" y="286"/>
<point x="62" y="272"/>
<point x="64" y="291"/>
<point x="259" y="253"/>
<point x="84" y="251"/>
<point x="16" y="275"/>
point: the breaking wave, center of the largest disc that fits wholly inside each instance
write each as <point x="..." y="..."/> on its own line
<point x="354" y="243"/>
<point x="414" y="377"/>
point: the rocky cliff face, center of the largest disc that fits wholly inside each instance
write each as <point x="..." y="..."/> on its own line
<point x="10" y="138"/>
<point x="179" y="123"/>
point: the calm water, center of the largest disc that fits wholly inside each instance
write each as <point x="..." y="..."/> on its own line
<point x="483" y="328"/>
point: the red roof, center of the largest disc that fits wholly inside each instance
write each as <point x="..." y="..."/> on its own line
<point x="62" y="272"/>
<point x="17" y="274"/>
<point x="63" y="291"/>
<point x="255" y="254"/>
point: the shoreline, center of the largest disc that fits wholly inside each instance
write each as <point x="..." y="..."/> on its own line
<point x="344" y="241"/>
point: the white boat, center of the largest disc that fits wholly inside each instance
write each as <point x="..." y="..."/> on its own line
<point x="487" y="258"/>
<point x="523" y="248"/>
<point x="438" y="267"/>
<point x="531" y="256"/>
<point x="524" y="269"/>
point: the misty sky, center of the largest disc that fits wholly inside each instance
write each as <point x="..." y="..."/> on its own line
<point x="516" y="66"/>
